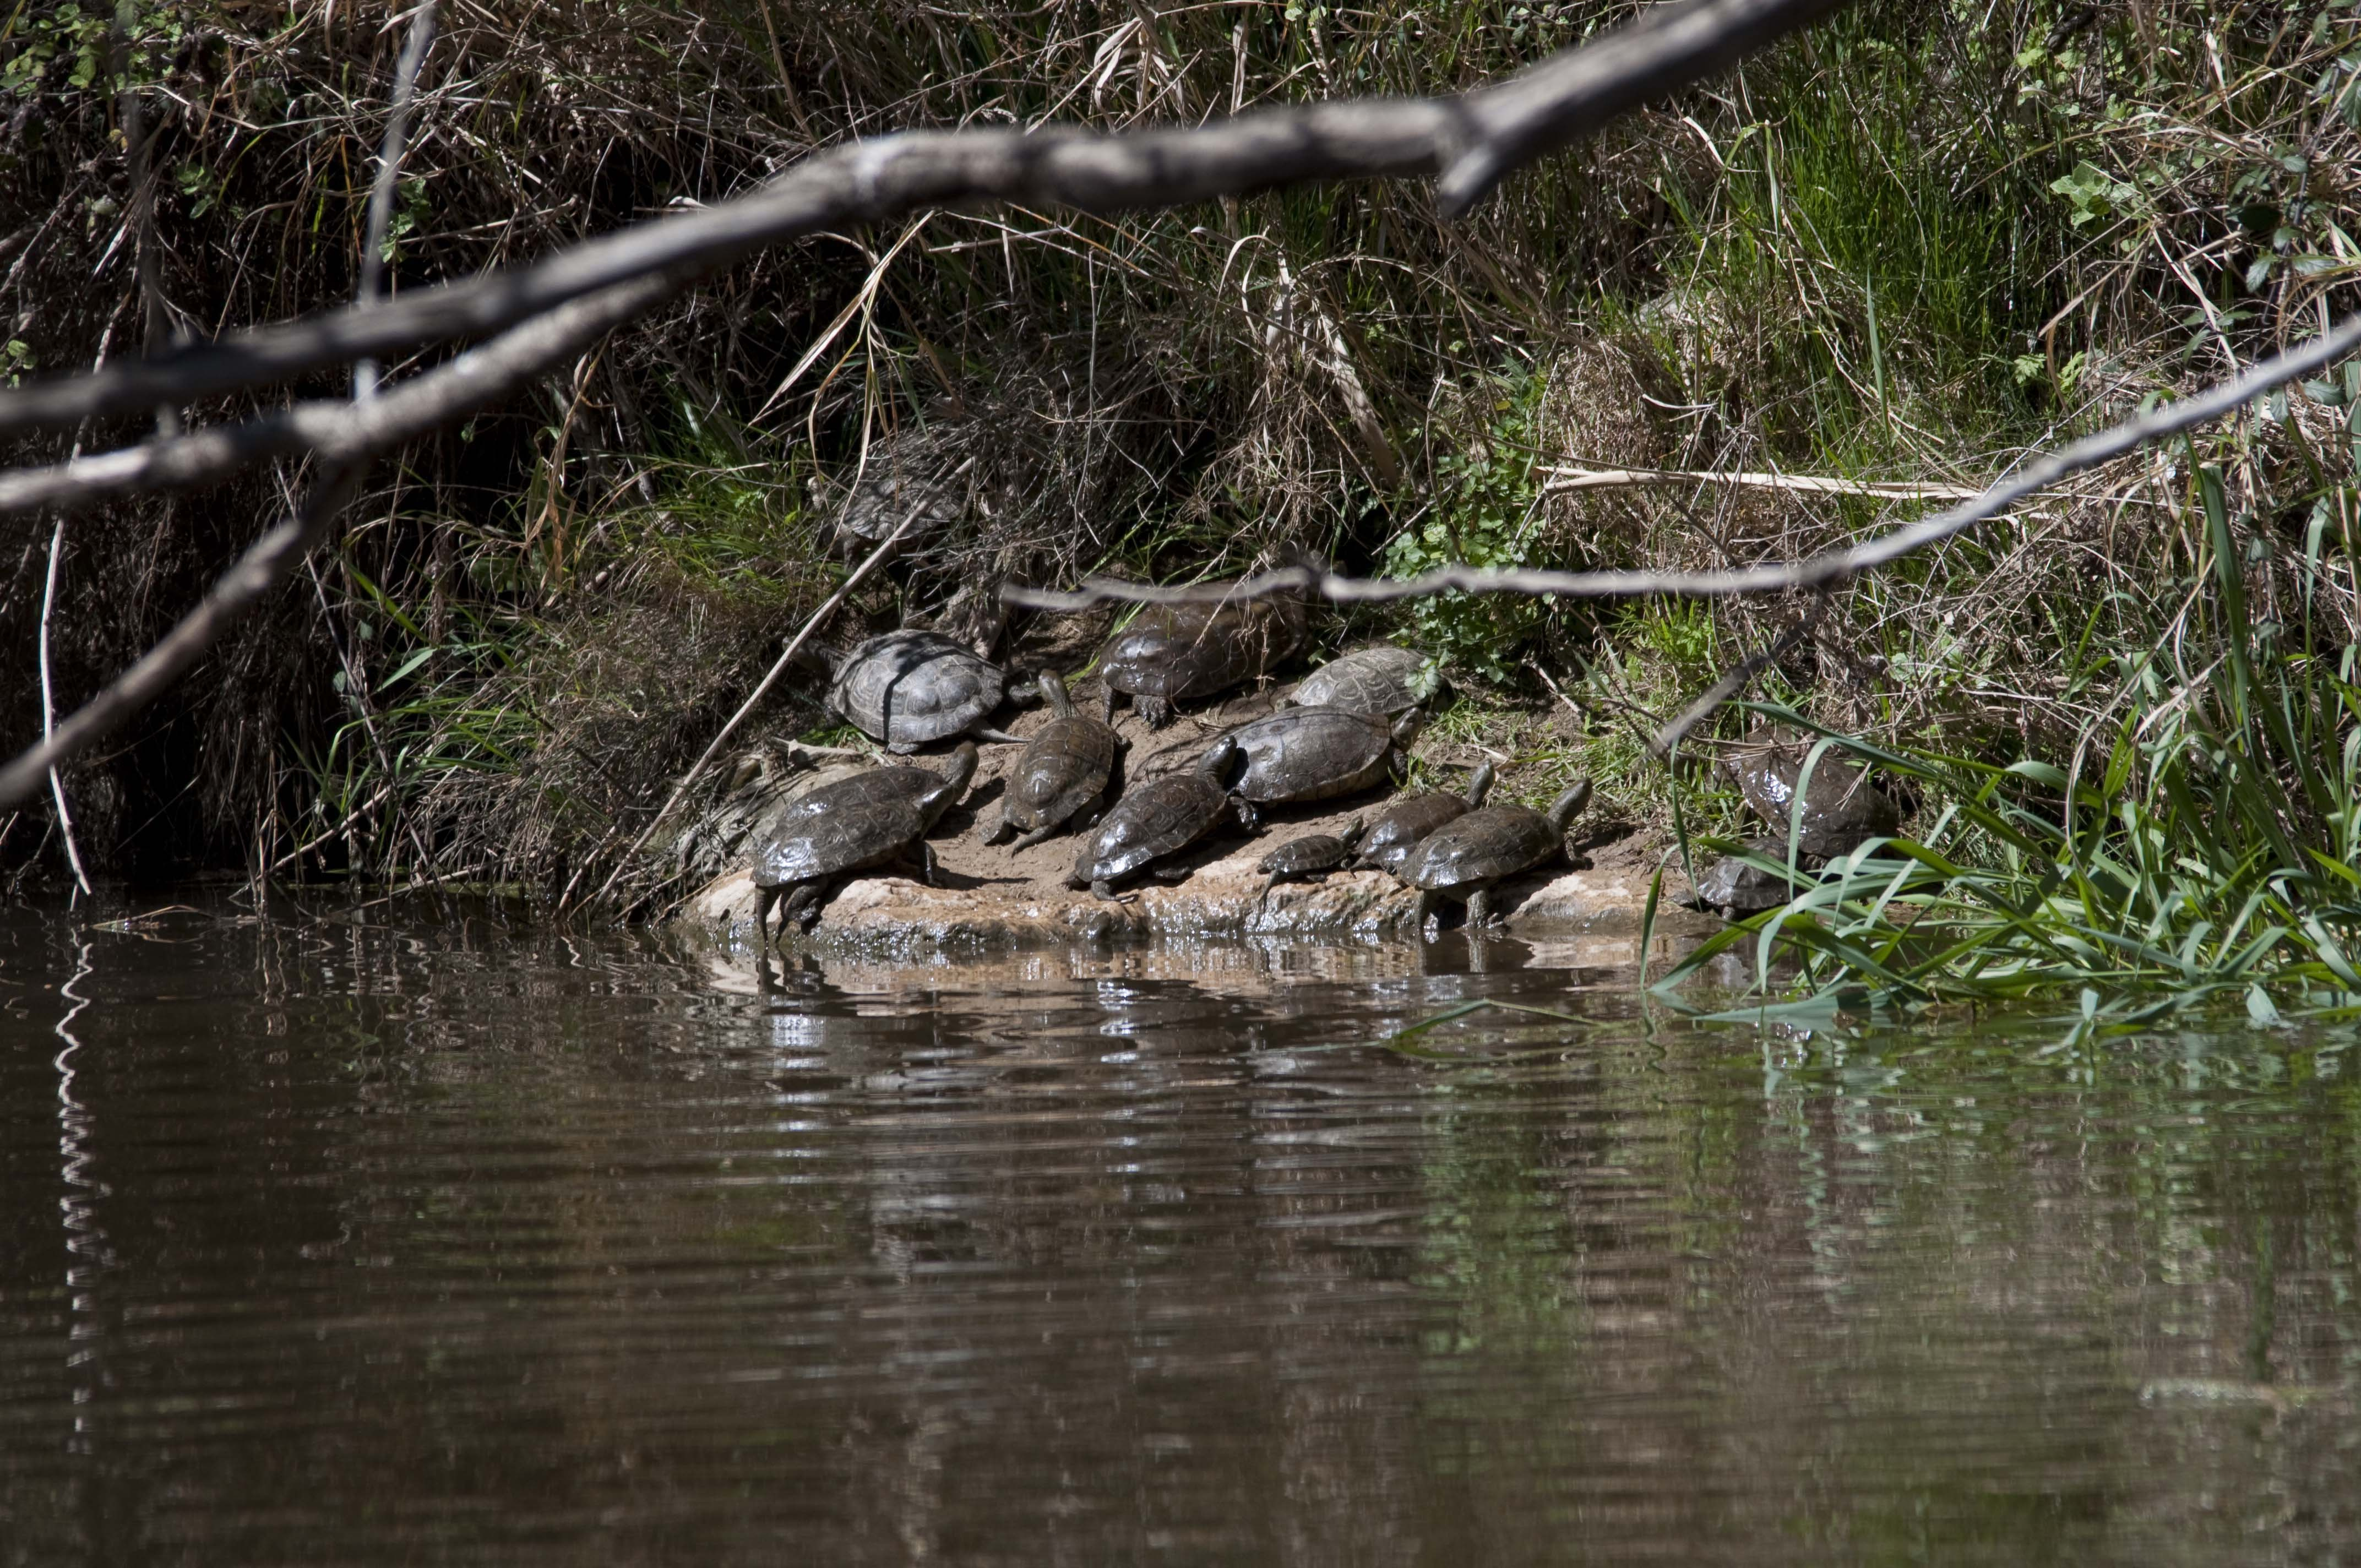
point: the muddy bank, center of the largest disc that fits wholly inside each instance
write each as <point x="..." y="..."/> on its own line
<point x="988" y="895"/>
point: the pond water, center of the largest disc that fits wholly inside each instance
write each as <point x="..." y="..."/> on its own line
<point x="439" y="1236"/>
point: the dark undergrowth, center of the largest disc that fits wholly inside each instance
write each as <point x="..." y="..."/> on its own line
<point x="1913" y="244"/>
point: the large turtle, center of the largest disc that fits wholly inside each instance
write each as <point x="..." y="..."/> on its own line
<point x="1316" y="753"/>
<point x="908" y="687"/>
<point x="908" y="483"/>
<point x="1841" y="807"/>
<point x="1314" y="854"/>
<point x="1065" y="768"/>
<point x="1174" y="651"/>
<point x="851" y="829"/>
<point x="1382" y="679"/>
<point x="1464" y="858"/>
<point x="1387" y="840"/>
<point x="1158" y="818"/>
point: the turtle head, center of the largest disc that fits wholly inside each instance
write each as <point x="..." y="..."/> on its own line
<point x="1565" y="807"/>
<point x="1407" y="726"/>
<point x="957" y="769"/>
<point x="1053" y="692"/>
<point x="1219" y="758"/>
<point x="1480" y="785"/>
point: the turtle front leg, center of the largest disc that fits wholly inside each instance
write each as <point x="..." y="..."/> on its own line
<point x="1001" y="829"/>
<point x="1480" y="911"/>
<point x="1264" y="902"/>
<point x="1154" y="711"/>
<point x="1102" y="888"/>
<point x="1039" y="836"/>
<point x="1106" y="704"/>
<point x="763" y="898"/>
<point x="927" y="864"/>
<point x="802" y="905"/>
<point x="1428" y="906"/>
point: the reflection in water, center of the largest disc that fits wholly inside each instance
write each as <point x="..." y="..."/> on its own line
<point x="452" y="1240"/>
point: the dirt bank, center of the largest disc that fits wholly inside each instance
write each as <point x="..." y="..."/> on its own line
<point x="986" y="894"/>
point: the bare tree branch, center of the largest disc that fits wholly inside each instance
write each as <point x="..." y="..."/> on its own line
<point x="388" y="180"/>
<point x="1471" y="140"/>
<point x="356" y="432"/>
<point x="1818" y="571"/>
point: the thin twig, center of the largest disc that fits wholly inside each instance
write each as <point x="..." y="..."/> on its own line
<point x="389" y="179"/>
<point x="1564" y="479"/>
<point x="1824" y="570"/>
<point x="48" y="704"/>
<point x="779" y="667"/>
<point x="1471" y="141"/>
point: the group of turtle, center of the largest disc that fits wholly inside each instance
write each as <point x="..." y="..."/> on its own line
<point x="1346" y="729"/>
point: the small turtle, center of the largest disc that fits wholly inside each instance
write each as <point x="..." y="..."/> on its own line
<point x="1316" y="753"/>
<point x="1314" y="854"/>
<point x="1841" y="807"/>
<point x="1399" y="827"/>
<point x="1380" y="680"/>
<point x="902" y="484"/>
<point x="1170" y="653"/>
<point x="1065" y="767"/>
<point x="1464" y="858"/>
<point x="907" y="688"/>
<point x="1735" y="888"/>
<point x="1158" y="818"/>
<point x="806" y="854"/>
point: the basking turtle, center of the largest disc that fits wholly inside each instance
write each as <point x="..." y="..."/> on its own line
<point x="1311" y="855"/>
<point x="1399" y="827"/>
<point x="1316" y="753"/>
<point x="804" y="855"/>
<point x="873" y="785"/>
<point x="1381" y="680"/>
<point x="1464" y="857"/>
<point x="1173" y="651"/>
<point x="904" y="482"/>
<point x="1841" y="807"/>
<point x="1158" y="818"/>
<point x="907" y="688"/>
<point x="1065" y="767"/>
<point x="1735" y="888"/>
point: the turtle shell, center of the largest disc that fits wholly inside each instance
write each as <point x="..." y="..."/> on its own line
<point x="1841" y="807"/>
<point x="1064" y="768"/>
<point x="1313" y="753"/>
<point x="1312" y="852"/>
<point x="907" y="688"/>
<point x="858" y="835"/>
<point x="874" y="784"/>
<point x="1399" y="828"/>
<point x="1367" y="680"/>
<point x="1155" y="819"/>
<point x="1481" y="846"/>
<point x="1730" y="884"/>
<point x="903" y="480"/>
<point x="1175" y="652"/>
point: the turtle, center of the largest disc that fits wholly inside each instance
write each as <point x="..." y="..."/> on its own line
<point x="1735" y="887"/>
<point x="1156" y="819"/>
<point x="1466" y="857"/>
<point x="841" y="829"/>
<point x="1841" y="807"/>
<point x="908" y="687"/>
<point x="1315" y="754"/>
<point x="901" y="486"/>
<point x="1173" y="651"/>
<point x="902" y="782"/>
<point x="1311" y="855"/>
<point x="1065" y="767"/>
<point x="1387" y="840"/>
<point x="1381" y="680"/>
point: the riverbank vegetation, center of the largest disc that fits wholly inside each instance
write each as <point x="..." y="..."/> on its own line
<point x="1909" y="247"/>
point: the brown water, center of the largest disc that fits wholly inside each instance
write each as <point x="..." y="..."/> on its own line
<point x="440" y="1239"/>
